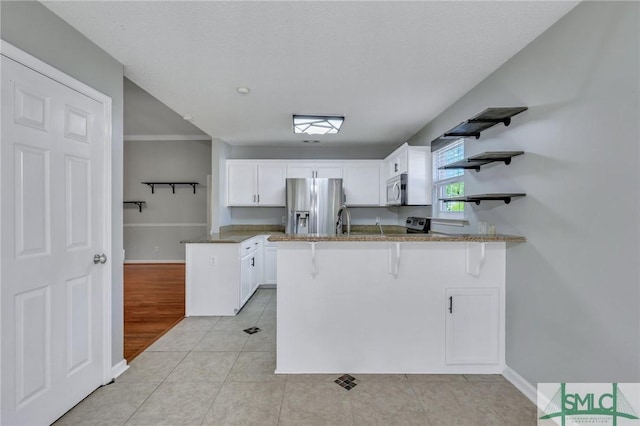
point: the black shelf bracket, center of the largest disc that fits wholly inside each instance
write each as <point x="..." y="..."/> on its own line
<point x="477" y="124"/>
<point x="477" y="161"/>
<point x="477" y="199"/>
<point x="506" y="121"/>
<point x="450" y="135"/>
<point x="152" y="185"/>
<point x="137" y="203"/>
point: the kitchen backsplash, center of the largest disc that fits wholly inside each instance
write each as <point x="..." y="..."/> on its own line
<point x="359" y="215"/>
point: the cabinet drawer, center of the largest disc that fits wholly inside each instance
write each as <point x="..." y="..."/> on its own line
<point x="249" y="247"/>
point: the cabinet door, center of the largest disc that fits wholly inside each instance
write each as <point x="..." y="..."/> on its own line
<point x="302" y="170"/>
<point x="241" y="184"/>
<point x="362" y="184"/>
<point x="389" y="168"/>
<point x="472" y="326"/>
<point x="270" y="271"/>
<point x="401" y="163"/>
<point x="246" y="277"/>
<point x="397" y="162"/>
<point x="329" y="170"/>
<point x="271" y="184"/>
<point x="259" y="262"/>
<point x="255" y="266"/>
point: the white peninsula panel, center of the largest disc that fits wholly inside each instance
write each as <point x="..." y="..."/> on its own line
<point x="390" y="307"/>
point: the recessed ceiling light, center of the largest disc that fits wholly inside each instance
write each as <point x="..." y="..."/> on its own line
<point x="187" y="117"/>
<point x="243" y="90"/>
<point x="317" y="124"/>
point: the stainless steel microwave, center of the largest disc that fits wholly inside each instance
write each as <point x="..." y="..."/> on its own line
<point x="397" y="190"/>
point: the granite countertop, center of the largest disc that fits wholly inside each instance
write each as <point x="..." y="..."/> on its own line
<point x="360" y="233"/>
<point x="237" y="234"/>
<point x="407" y="238"/>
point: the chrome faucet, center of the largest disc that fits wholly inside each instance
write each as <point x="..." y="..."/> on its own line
<point x="339" y="223"/>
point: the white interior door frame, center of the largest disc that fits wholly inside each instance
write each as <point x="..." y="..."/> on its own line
<point x="14" y="53"/>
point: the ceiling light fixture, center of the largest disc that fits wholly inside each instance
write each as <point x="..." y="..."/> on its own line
<point x="243" y="90"/>
<point x="187" y="117"/>
<point x="317" y="124"/>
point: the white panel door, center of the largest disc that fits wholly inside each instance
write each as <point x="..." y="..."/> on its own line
<point x="362" y="184"/>
<point x="271" y="184"/>
<point x="52" y="207"/>
<point x="241" y="184"/>
<point x="473" y="326"/>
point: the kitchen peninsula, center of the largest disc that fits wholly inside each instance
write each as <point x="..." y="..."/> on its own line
<point x="367" y="302"/>
<point x="428" y="303"/>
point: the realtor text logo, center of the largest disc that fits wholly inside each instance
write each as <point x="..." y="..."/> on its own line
<point x="564" y="404"/>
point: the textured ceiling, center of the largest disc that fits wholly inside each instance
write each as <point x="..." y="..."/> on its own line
<point x="389" y="67"/>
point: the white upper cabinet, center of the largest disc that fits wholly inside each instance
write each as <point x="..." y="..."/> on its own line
<point x="311" y="170"/>
<point x="398" y="162"/>
<point x="241" y="184"/>
<point x="262" y="182"/>
<point x="271" y="184"/>
<point x="362" y="183"/>
<point x="415" y="161"/>
<point x="252" y="183"/>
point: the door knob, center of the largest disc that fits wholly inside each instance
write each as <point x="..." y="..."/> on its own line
<point x="100" y="258"/>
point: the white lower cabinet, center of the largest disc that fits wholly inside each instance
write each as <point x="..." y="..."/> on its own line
<point x="248" y="276"/>
<point x="390" y="302"/>
<point x="220" y="278"/>
<point x="472" y="326"/>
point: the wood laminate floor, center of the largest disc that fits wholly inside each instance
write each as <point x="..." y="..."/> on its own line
<point x="153" y="303"/>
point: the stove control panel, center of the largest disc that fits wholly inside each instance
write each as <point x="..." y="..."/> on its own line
<point x="418" y="225"/>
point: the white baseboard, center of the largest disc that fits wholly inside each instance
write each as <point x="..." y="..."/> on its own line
<point x="119" y="368"/>
<point x="156" y="261"/>
<point x="521" y="384"/>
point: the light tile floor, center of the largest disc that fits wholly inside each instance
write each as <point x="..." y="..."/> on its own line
<point x="207" y="371"/>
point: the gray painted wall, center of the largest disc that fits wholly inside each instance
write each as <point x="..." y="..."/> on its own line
<point x="573" y="293"/>
<point x="167" y="218"/>
<point x="146" y="115"/>
<point x="33" y="28"/>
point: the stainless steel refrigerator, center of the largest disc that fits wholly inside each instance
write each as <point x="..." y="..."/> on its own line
<point x="313" y="206"/>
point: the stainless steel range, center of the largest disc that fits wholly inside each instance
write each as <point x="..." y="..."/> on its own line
<point x="418" y="225"/>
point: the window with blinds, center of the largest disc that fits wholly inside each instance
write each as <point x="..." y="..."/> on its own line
<point x="448" y="183"/>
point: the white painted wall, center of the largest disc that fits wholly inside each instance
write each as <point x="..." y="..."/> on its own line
<point x="573" y="289"/>
<point x="167" y="218"/>
<point x="33" y="28"/>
